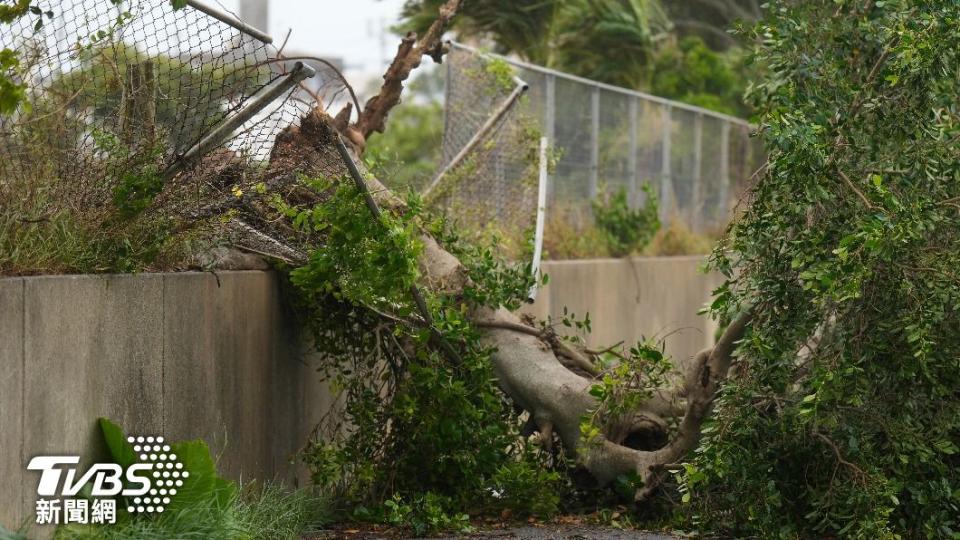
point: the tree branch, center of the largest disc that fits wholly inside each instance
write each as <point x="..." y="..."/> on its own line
<point x="408" y="57"/>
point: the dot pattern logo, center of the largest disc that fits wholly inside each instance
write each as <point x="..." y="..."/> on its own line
<point x="168" y="474"/>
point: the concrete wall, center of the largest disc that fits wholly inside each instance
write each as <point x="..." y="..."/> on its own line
<point x="656" y="297"/>
<point x="188" y="356"/>
<point x="195" y="355"/>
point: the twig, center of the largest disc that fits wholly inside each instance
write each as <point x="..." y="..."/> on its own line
<point x="839" y="455"/>
<point x="598" y="352"/>
<point x="516" y="327"/>
<point x="859" y="193"/>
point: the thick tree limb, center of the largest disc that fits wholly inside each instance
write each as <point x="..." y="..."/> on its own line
<point x="373" y="118"/>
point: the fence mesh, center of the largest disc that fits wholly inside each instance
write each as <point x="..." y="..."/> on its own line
<point x="131" y="86"/>
<point x="603" y="138"/>
<point x="500" y="167"/>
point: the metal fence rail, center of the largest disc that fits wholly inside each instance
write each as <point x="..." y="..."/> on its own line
<point x="607" y="138"/>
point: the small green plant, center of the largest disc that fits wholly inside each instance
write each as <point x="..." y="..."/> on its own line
<point x="424" y="514"/>
<point x="628" y="379"/>
<point x="626" y="230"/>
<point x="208" y="506"/>
<point x="527" y="488"/>
<point x="502" y="73"/>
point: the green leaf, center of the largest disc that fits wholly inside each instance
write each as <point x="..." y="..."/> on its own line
<point x="121" y="451"/>
<point x="203" y="485"/>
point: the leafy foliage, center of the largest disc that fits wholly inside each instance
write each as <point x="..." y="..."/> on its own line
<point x="11" y="94"/>
<point x="626" y="382"/>
<point x="692" y="73"/>
<point x="423" y="435"/>
<point x="630" y="27"/>
<point x="627" y="230"/>
<point x="203" y="485"/>
<point x="844" y="418"/>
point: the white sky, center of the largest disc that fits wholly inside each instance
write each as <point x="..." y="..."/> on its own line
<point x="355" y="30"/>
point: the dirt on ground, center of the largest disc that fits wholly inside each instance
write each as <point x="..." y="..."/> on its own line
<point x="555" y="530"/>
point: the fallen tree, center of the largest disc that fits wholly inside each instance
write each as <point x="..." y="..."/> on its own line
<point x="549" y="378"/>
<point x="844" y="420"/>
<point x="841" y="419"/>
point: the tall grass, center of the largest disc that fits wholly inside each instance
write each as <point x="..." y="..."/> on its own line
<point x="257" y="512"/>
<point x="48" y="225"/>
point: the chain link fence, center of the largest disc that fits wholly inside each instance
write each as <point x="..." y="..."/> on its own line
<point x="118" y="87"/>
<point x="602" y="139"/>
<point x="488" y="177"/>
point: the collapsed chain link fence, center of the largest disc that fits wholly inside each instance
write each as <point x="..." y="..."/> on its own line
<point x="115" y="88"/>
<point x="602" y="139"/>
<point x="489" y="172"/>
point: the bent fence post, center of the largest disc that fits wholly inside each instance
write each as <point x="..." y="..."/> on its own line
<point x="221" y="132"/>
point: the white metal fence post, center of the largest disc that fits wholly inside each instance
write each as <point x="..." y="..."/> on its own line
<point x="665" y="184"/>
<point x="724" y="188"/>
<point x="696" y="206"/>
<point x="541" y="218"/>
<point x="594" y="141"/>
<point x="632" y="157"/>
<point x="550" y="111"/>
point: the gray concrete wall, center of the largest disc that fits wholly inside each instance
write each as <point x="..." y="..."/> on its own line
<point x="656" y="297"/>
<point x="194" y="355"/>
<point x="188" y="356"/>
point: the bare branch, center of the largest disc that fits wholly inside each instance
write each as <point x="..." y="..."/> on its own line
<point x="408" y="57"/>
<point x="859" y="193"/>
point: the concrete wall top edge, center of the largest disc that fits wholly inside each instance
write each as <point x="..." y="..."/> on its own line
<point x="645" y="259"/>
<point x="131" y="276"/>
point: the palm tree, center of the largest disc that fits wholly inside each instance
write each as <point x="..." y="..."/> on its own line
<point x="613" y="41"/>
<point x="608" y="40"/>
<point x="711" y="20"/>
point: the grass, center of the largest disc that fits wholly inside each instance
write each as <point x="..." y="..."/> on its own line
<point x="258" y="512"/>
<point x="51" y="226"/>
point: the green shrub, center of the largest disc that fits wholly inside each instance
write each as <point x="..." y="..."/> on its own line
<point x="843" y="418"/>
<point x="424" y="430"/>
<point x="626" y="230"/>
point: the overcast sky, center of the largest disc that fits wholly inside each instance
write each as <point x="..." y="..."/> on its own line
<point x="356" y="30"/>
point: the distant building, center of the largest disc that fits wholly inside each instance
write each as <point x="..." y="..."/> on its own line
<point x="256" y="13"/>
<point x="326" y="84"/>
